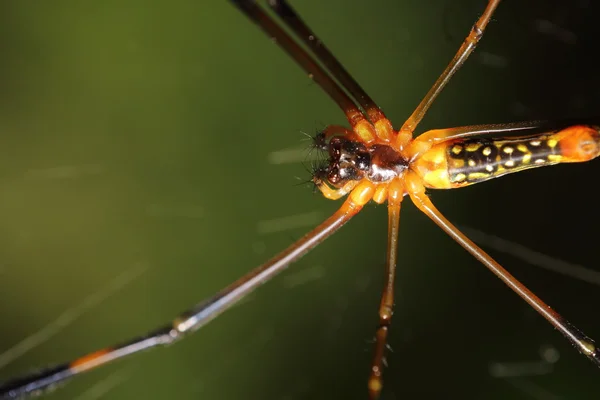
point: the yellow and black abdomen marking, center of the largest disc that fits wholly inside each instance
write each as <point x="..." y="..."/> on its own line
<point x="457" y="163"/>
<point x="476" y="160"/>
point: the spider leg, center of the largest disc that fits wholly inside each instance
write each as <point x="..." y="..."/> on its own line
<point x="584" y="344"/>
<point x="199" y="315"/>
<point x="314" y="43"/>
<point x="395" y="194"/>
<point x="459" y="59"/>
<point x="302" y="58"/>
<point x="335" y="194"/>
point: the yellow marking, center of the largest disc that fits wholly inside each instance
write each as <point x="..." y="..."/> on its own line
<point x="522" y="148"/>
<point x="487" y="151"/>
<point x="535" y="142"/>
<point x="554" y="157"/>
<point x="473" y="147"/>
<point x="526" y="158"/>
<point x="508" y="150"/>
<point x="510" y="163"/>
<point x="460" y="177"/>
<point x="436" y="155"/>
<point x="456" y="149"/>
<point x="552" y="143"/>
<point x="472" y="163"/>
<point x="475" y="176"/>
<point x="438" y="179"/>
<point x="489" y="168"/>
<point x="540" y="161"/>
<point x="457" y="163"/>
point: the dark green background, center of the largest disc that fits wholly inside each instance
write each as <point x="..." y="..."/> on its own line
<point x="136" y="136"/>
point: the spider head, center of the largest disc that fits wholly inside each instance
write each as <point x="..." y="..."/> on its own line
<point x="348" y="161"/>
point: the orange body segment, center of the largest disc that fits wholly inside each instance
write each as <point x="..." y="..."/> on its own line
<point x="579" y="143"/>
<point x="432" y="167"/>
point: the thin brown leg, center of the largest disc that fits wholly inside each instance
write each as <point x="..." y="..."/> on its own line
<point x="459" y="59"/>
<point x="302" y="58"/>
<point x="192" y="319"/>
<point x="577" y="338"/>
<point x="387" y="296"/>
<point x="299" y="27"/>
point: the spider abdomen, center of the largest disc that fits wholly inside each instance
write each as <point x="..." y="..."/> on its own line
<point x="462" y="162"/>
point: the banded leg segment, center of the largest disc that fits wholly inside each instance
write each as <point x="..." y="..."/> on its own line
<point x="198" y="316"/>
<point x="459" y="59"/>
<point x="308" y="37"/>
<point x="302" y="58"/>
<point x="584" y="344"/>
<point x="47" y="379"/>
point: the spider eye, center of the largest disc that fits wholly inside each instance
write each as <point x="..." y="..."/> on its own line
<point x="335" y="148"/>
<point x="334" y="177"/>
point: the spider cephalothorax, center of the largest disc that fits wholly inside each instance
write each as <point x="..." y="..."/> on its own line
<point x="351" y="160"/>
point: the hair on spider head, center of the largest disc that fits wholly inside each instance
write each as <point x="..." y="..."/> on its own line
<point x="319" y="141"/>
<point x="319" y="174"/>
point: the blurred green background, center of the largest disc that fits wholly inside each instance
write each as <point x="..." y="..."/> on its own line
<point x="151" y="153"/>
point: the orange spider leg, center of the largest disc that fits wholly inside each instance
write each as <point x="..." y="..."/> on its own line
<point x="459" y="59"/>
<point x="381" y="194"/>
<point x="199" y="315"/>
<point x="395" y="191"/>
<point x="369" y="133"/>
<point x="362" y="193"/>
<point x="584" y="344"/>
<point x="385" y="131"/>
<point x="381" y="131"/>
<point x="334" y="194"/>
<point x="366" y="131"/>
